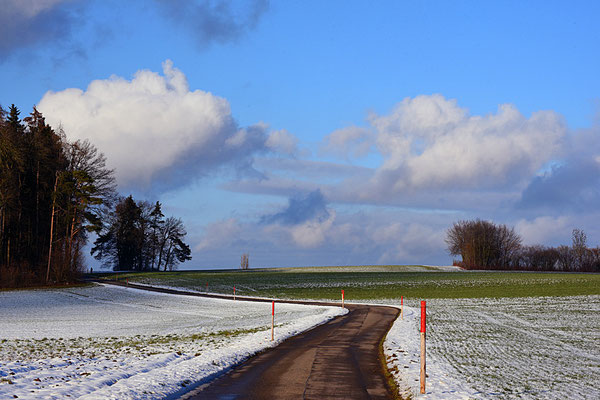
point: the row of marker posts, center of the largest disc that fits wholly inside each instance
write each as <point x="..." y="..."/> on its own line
<point x="423" y="329"/>
<point x="423" y="325"/>
<point x="423" y="371"/>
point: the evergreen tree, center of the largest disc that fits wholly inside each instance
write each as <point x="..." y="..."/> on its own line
<point x="52" y="193"/>
<point x="139" y="238"/>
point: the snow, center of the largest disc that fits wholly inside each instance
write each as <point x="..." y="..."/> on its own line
<point x="122" y="343"/>
<point x="508" y="348"/>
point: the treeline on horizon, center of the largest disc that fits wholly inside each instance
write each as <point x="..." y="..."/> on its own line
<point x="488" y="246"/>
<point x="54" y="193"/>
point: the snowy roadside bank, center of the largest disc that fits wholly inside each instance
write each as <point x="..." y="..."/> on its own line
<point x="122" y="343"/>
<point x="506" y="348"/>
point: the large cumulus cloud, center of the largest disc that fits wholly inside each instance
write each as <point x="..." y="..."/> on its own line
<point x="431" y="142"/>
<point x="432" y="153"/>
<point x="153" y="128"/>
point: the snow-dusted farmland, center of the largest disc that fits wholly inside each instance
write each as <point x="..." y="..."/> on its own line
<point x="122" y="343"/>
<point x="517" y="348"/>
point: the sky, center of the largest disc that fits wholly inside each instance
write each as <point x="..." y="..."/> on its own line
<point x="325" y="132"/>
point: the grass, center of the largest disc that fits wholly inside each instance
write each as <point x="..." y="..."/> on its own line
<point x="30" y="349"/>
<point x="373" y="282"/>
<point x="45" y="287"/>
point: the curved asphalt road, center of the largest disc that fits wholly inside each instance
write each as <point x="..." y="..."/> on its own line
<point x="337" y="360"/>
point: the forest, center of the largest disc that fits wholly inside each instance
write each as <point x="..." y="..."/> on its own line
<point x="55" y="194"/>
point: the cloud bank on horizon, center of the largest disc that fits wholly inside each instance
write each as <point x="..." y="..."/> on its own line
<point x="315" y="181"/>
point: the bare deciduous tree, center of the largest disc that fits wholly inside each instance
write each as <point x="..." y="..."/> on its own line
<point x="483" y="244"/>
<point x="244" y="263"/>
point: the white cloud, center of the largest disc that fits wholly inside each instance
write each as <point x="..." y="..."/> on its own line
<point x="428" y="116"/>
<point x="435" y="155"/>
<point x="153" y="127"/>
<point x="219" y="234"/>
<point x="352" y="141"/>
<point x="283" y="142"/>
<point x="430" y="142"/>
<point x="345" y="239"/>
<point x="544" y="229"/>
<point x="31" y="8"/>
<point x="312" y="233"/>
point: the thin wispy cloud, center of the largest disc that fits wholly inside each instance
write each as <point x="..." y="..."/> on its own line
<point x="27" y="23"/>
<point x="301" y="208"/>
<point x="219" y="21"/>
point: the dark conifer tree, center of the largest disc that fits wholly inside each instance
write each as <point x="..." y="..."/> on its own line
<point x="52" y="193"/>
<point x="138" y="237"/>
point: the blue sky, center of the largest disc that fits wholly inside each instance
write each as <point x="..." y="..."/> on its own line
<point x="325" y="133"/>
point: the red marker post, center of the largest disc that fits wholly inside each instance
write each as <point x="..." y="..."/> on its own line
<point x="423" y="366"/>
<point x="234" y="292"/>
<point x="273" y="321"/>
<point x="206" y="287"/>
<point x="401" y="307"/>
<point x="342" y="298"/>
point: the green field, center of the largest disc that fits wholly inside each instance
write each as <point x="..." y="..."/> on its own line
<point x="372" y="282"/>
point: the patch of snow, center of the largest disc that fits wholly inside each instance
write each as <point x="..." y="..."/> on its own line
<point x="122" y="343"/>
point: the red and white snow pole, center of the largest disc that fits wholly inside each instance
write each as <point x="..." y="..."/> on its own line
<point x="234" y="292"/>
<point x="401" y="307"/>
<point x="273" y="321"/>
<point x="342" y="298"/>
<point x="206" y="287"/>
<point x="423" y="366"/>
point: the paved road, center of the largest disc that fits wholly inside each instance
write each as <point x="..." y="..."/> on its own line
<point x="336" y="360"/>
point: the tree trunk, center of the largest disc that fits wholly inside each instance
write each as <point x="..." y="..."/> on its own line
<point x="8" y="253"/>
<point x="37" y="210"/>
<point x="70" y="241"/>
<point x="51" y="228"/>
<point x="168" y="255"/>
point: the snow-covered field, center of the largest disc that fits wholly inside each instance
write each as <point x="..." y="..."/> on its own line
<point x="121" y="343"/>
<point x="509" y="348"/>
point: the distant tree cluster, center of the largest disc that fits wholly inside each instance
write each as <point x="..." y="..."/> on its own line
<point x="485" y="245"/>
<point x="482" y="244"/>
<point x="138" y="237"/>
<point x="53" y="193"/>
